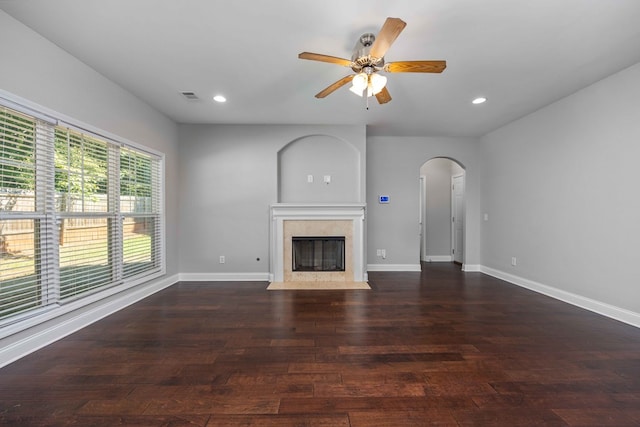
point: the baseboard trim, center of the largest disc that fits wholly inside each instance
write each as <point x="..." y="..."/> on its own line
<point x="438" y="258"/>
<point x="224" y="277"/>
<point x="471" y="268"/>
<point x="56" y="329"/>
<point x="608" y="310"/>
<point x="393" y="267"/>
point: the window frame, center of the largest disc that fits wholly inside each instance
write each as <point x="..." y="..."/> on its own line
<point x="51" y="274"/>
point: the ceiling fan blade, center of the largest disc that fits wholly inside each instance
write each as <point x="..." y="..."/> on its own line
<point x="416" y="67"/>
<point x="324" y="58"/>
<point x="383" y="96"/>
<point x="388" y="34"/>
<point x="335" y="86"/>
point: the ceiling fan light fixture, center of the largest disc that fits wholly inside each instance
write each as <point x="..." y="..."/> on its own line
<point x="373" y="83"/>
<point x="377" y="83"/>
<point x="356" y="90"/>
<point x="360" y="81"/>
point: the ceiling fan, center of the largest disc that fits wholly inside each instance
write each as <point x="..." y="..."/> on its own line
<point x="367" y="62"/>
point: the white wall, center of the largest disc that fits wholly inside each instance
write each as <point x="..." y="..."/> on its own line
<point x="228" y="180"/>
<point x="560" y="189"/>
<point x="393" y="169"/>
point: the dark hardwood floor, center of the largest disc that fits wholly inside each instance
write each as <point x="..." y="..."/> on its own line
<point x="439" y="347"/>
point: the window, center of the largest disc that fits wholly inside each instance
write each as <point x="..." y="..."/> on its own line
<point x="79" y="213"/>
<point x="84" y="211"/>
<point x="23" y="141"/>
<point x="139" y="205"/>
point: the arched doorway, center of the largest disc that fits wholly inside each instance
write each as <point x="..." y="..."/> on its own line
<point x="442" y="211"/>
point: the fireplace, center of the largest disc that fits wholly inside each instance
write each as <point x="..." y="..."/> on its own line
<point x="325" y="253"/>
<point x="340" y="225"/>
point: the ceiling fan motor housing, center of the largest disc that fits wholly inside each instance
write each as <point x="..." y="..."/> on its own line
<point x="361" y="59"/>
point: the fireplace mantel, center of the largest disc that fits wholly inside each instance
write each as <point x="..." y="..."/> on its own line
<point x="282" y="212"/>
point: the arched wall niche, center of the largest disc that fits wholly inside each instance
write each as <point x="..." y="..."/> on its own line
<point x="304" y="163"/>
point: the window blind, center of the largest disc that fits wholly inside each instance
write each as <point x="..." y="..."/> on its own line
<point x="25" y="172"/>
<point x="78" y="213"/>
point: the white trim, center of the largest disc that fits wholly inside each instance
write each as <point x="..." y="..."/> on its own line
<point x="438" y="258"/>
<point x="608" y="310"/>
<point x="58" y="329"/>
<point x="6" y="101"/>
<point x="471" y="268"/>
<point x="224" y="277"/>
<point x="394" y="267"/>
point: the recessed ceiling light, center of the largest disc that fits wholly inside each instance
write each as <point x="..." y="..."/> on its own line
<point x="479" y="100"/>
<point x="219" y="98"/>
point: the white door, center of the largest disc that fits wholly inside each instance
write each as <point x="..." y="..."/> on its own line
<point x="421" y="218"/>
<point x="457" y="217"/>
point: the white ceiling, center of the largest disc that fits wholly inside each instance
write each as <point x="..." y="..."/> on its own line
<point x="520" y="54"/>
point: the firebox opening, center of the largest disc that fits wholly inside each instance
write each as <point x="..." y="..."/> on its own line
<point x="325" y="253"/>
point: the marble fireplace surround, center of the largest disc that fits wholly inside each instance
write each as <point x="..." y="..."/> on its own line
<point x="288" y="220"/>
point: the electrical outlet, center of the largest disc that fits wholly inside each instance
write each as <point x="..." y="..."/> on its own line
<point x="384" y="253"/>
<point x="378" y="252"/>
<point x="514" y="261"/>
<point x="222" y="259"/>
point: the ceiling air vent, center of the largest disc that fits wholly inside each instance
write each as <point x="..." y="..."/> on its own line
<point x="191" y="96"/>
